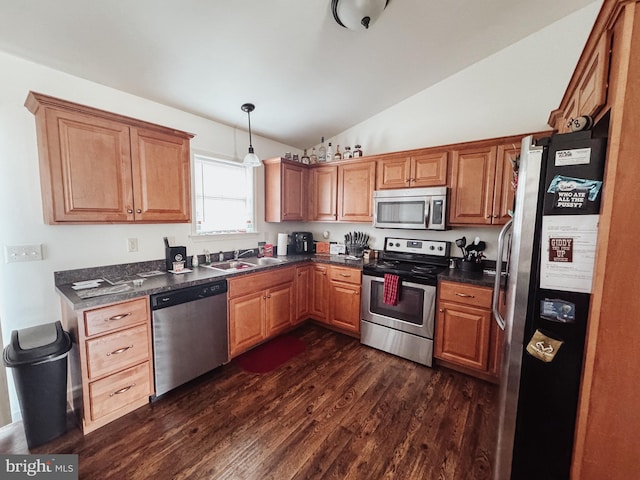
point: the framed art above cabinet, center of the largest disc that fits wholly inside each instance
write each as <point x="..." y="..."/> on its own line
<point x="101" y="167"/>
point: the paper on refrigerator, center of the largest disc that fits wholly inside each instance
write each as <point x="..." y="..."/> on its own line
<point x="568" y="252"/>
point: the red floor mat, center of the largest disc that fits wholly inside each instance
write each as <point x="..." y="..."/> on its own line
<point x="271" y="355"/>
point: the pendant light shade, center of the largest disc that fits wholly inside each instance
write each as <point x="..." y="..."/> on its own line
<point x="250" y="159"/>
<point x="357" y="14"/>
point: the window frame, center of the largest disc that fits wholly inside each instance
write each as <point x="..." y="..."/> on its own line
<point x="223" y="159"/>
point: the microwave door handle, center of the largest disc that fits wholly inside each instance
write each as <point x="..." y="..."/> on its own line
<point x="496" y="286"/>
<point x="427" y="212"/>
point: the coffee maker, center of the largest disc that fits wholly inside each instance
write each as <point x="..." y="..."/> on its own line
<point x="302" y="242"/>
<point x="174" y="254"/>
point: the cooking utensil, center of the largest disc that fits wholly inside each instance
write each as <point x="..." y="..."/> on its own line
<point x="461" y="243"/>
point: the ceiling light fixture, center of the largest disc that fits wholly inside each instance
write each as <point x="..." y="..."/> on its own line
<point x="357" y="14"/>
<point x="250" y="159"/>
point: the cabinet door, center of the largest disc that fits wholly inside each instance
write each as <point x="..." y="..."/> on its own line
<point x="462" y="335"/>
<point x="473" y="176"/>
<point x="393" y="172"/>
<point x="246" y="322"/>
<point x="294" y="195"/>
<point x="429" y="169"/>
<point x="345" y="306"/>
<point x="324" y="183"/>
<point x="279" y="308"/>
<point x="355" y="191"/>
<point x="504" y="194"/>
<point x="88" y="178"/>
<point x="303" y="292"/>
<point x="592" y="89"/>
<point x="161" y="177"/>
<point x="320" y="292"/>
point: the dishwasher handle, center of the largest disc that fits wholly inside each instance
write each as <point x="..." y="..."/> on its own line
<point x="188" y="294"/>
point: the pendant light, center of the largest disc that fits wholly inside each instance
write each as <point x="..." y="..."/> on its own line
<point x="357" y="14"/>
<point x="250" y="159"/>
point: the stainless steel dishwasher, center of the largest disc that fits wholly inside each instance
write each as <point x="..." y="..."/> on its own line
<point x="189" y="333"/>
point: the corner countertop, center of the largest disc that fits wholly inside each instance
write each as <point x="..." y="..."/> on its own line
<point x="482" y="279"/>
<point x="166" y="281"/>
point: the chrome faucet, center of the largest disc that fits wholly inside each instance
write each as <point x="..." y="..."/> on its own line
<point x="237" y="254"/>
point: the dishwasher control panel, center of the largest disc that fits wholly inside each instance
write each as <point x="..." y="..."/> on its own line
<point x="188" y="294"/>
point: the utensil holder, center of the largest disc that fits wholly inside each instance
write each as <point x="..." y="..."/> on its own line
<point x="467" y="266"/>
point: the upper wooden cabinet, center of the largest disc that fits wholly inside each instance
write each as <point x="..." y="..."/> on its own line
<point x="482" y="183"/>
<point x="587" y="92"/>
<point x="355" y="191"/>
<point x="285" y="184"/>
<point x="420" y="168"/>
<point x="342" y="192"/>
<point x="100" y="167"/>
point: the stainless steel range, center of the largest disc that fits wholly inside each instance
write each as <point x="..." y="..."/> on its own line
<point x="406" y="327"/>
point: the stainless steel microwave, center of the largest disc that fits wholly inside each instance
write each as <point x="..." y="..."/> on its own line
<point x="412" y="208"/>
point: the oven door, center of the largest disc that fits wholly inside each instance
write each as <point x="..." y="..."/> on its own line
<point x="414" y="313"/>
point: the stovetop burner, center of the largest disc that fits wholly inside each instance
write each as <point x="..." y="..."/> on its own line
<point x="418" y="261"/>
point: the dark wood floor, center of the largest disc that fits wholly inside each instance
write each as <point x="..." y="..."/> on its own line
<point x="339" y="410"/>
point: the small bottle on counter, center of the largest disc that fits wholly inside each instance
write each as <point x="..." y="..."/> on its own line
<point x="305" y="158"/>
<point x="347" y="153"/>
<point x="357" y="152"/>
<point x="194" y="261"/>
<point x="313" y="158"/>
<point x="329" y="153"/>
<point x="338" y="155"/>
<point x="221" y="256"/>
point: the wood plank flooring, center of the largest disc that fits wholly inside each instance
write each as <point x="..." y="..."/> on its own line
<point x="339" y="410"/>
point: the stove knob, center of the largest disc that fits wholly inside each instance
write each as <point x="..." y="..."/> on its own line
<point x="397" y="244"/>
<point x="432" y="247"/>
<point x="440" y="248"/>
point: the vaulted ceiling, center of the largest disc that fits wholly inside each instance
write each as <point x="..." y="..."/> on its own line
<point x="307" y="75"/>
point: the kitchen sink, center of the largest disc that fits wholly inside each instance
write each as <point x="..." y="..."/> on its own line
<point x="230" y="266"/>
<point x="269" y="261"/>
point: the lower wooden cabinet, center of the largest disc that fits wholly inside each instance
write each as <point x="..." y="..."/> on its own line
<point x="261" y="305"/>
<point x="466" y="335"/>
<point x="111" y="363"/>
<point x="303" y="292"/>
<point x="335" y="296"/>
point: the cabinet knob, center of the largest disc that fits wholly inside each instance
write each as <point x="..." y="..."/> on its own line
<point x="139" y="210"/>
<point x="129" y="210"/>
<point x="356" y="293"/>
<point x="441" y="310"/>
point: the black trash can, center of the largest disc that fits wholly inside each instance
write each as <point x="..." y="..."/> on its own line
<point x="38" y="357"/>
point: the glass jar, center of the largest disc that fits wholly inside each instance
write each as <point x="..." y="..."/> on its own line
<point x="357" y="152"/>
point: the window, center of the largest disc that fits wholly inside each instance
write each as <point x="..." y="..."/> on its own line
<point x="223" y="196"/>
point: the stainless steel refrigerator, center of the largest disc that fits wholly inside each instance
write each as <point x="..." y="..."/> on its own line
<point x="549" y="250"/>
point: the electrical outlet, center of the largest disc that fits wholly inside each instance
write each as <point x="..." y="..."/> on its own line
<point x="22" y="253"/>
<point x="132" y="244"/>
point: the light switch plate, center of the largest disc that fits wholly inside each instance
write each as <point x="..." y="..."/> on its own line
<point x="22" y="253"/>
<point x="132" y="244"/>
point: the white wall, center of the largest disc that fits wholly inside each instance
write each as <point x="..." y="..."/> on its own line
<point x="510" y="92"/>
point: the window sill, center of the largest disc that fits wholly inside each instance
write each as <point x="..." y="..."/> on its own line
<point x="208" y="237"/>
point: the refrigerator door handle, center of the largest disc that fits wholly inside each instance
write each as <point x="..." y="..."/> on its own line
<point x="496" y="286"/>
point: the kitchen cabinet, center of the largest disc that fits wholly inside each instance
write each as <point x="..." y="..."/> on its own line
<point x="303" y="292"/>
<point x="323" y="187"/>
<point x="465" y="336"/>
<point x="111" y="366"/>
<point x="356" y="181"/>
<point x="261" y="305"/>
<point x="417" y="168"/>
<point x="344" y="298"/>
<point x="285" y="190"/>
<point x="100" y="167"/>
<point x="319" y="292"/>
<point x="342" y="192"/>
<point x="481" y="183"/>
<point x="588" y="94"/>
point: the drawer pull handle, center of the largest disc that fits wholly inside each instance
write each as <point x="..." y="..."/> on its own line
<point x="117" y="317"/>
<point x="120" y="350"/>
<point x="122" y="390"/>
<point x="345" y="274"/>
<point x="465" y="295"/>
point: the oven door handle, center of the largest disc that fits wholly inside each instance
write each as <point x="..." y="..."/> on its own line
<point x="496" y="286"/>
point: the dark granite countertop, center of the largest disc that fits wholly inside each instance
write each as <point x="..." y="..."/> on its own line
<point x="475" y="278"/>
<point x="166" y="281"/>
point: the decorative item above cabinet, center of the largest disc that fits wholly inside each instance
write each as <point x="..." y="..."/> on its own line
<point x="101" y="167"/>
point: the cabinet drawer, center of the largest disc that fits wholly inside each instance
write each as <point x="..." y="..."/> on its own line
<point x="116" y="351"/>
<point x="466" y="294"/>
<point x="260" y="281"/>
<point x="118" y="390"/>
<point x="116" y="316"/>
<point x="347" y="275"/>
